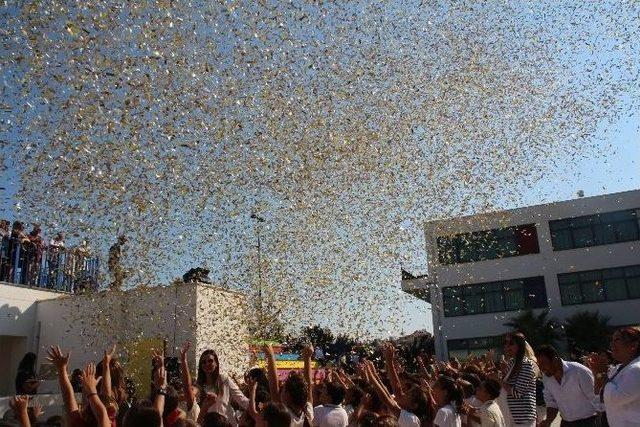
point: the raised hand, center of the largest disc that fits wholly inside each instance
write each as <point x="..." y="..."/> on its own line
<point x="19" y="403"/>
<point x="268" y="351"/>
<point x="109" y="355"/>
<point x="89" y="380"/>
<point x="37" y="409"/>
<point x="157" y="359"/>
<point x="307" y="351"/>
<point x="209" y="400"/>
<point x="160" y="380"/>
<point x="184" y="350"/>
<point x="598" y="363"/>
<point x="389" y="351"/>
<point x="58" y="358"/>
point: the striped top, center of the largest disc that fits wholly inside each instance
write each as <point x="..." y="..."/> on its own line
<point x="522" y="399"/>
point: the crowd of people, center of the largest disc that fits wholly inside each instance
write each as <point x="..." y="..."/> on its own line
<point x="29" y="259"/>
<point x="524" y="387"/>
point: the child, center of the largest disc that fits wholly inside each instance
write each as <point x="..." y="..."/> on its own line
<point x="489" y="414"/>
<point x="448" y="397"/>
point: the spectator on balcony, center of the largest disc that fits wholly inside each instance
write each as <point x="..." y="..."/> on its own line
<point x="4" y="229"/>
<point x="16" y="254"/>
<point x="5" y="233"/>
<point x="115" y="266"/>
<point x="33" y="254"/>
<point x="17" y="231"/>
<point x="56" y="248"/>
<point x="57" y="242"/>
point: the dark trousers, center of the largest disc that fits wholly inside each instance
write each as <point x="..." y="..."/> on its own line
<point x="585" y="422"/>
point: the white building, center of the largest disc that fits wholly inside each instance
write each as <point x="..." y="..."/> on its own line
<point x="566" y="257"/>
<point x="138" y="320"/>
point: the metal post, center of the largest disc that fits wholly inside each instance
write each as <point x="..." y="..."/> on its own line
<point x="16" y="261"/>
<point x="260" y="307"/>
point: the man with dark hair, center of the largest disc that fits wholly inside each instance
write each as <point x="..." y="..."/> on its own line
<point x="568" y="389"/>
<point x="214" y="419"/>
<point x="142" y="415"/>
<point x="331" y="414"/>
<point x="275" y="415"/>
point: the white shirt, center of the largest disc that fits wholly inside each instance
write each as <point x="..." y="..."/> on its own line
<point x="573" y="396"/>
<point x="447" y="417"/>
<point x="622" y="396"/>
<point x="490" y="415"/>
<point x="227" y="389"/>
<point x="408" y="419"/>
<point x="190" y="414"/>
<point x="297" y="420"/>
<point x="330" y="416"/>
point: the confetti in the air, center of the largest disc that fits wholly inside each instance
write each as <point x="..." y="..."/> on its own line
<point x="344" y="125"/>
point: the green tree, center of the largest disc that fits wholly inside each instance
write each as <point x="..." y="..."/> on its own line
<point x="587" y="331"/>
<point x="537" y="328"/>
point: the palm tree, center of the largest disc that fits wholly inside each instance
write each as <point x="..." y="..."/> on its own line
<point x="537" y="328"/>
<point x="587" y="331"/>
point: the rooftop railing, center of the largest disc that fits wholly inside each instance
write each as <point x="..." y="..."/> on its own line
<point x="26" y="263"/>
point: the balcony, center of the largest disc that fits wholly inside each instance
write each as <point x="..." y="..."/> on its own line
<point x="418" y="286"/>
<point x="48" y="267"/>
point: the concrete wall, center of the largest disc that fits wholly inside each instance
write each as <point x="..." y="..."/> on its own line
<point x="547" y="263"/>
<point x="18" y="308"/>
<point x="18" y="333"/>
<point x="221" y="324"/>
<point x="207" y="316"/>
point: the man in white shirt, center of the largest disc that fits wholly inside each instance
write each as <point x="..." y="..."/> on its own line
<point x="568" y="389"/>
<point x="331" y="414"/>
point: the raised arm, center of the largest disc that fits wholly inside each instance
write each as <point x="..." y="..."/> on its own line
<point x="273" y="374"/>
<point x="61" y="361"/>
<point x="90" y="390"/>
<point x="20" y="406"/>
<point x="105" y="385"/>
<point x="189" y="395"/>
<point x="251" y="409"/>
<point x="392" y="372"/>
<point x="160" y="383"/>
<point x="307" y="352"/>
<point x="381" y="390"/>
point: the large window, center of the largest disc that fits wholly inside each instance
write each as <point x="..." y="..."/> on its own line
<point x="595" y="230"/>
<point x="488" y="244"/>
<point x="463" y="348"/>
<point x="610" y="284"/>
<point x="493" y="297"/>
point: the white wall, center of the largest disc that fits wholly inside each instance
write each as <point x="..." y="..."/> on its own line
<point x="18" y="309"/>
<point x="207" y="316"/>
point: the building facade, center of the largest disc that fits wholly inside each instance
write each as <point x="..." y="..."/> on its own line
<point x="139" y="320"/>
<point x="564" y="257"/>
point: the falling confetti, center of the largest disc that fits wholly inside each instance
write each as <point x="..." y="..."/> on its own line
<point x="345" y="125"/>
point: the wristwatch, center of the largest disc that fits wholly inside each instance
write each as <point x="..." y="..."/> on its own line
<point x="162" y="391"/>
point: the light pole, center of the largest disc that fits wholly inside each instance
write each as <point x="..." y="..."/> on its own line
<point x="258" y="220"/>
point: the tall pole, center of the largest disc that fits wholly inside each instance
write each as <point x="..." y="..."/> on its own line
<point x="258" y="221"/>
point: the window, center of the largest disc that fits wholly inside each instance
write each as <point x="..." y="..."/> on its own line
<point x="488" y="244"/>
<point x="493" y="297"/>
<point x="594" y="230"/>
<point x="610" y="284"/>
<point x="463" y="348"/>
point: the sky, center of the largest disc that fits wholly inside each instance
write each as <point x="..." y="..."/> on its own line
<point x="345" y="125"/>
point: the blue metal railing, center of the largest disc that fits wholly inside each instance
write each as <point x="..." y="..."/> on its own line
<point x="25" y="263"/>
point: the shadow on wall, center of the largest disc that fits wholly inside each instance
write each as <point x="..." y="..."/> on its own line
<point x="14" y="321"/>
